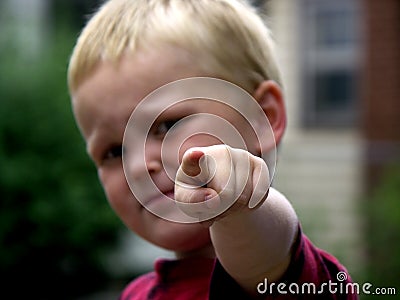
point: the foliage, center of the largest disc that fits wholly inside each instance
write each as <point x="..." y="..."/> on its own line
<point x="383" y="213"/>
<point x="55" y="224"/>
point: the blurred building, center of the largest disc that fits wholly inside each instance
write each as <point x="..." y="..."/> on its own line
<point x="340" y="62"/>
<point x="381" y="88"/>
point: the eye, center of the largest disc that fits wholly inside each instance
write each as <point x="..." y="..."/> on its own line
<point x="160" y="129"/>
<point x="113" y="152"/>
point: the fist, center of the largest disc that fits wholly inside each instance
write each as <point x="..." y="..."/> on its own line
<point x="218" y="180"/>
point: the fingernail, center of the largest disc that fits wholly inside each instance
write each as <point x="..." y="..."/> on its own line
<point x="196" y="154"/>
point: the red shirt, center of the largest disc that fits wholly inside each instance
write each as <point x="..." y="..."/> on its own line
<point x="205" y="278"/>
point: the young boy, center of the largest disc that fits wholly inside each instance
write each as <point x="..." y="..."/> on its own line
<point x="256" y="247"/>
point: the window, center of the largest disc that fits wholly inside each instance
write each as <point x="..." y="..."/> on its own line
<point x="330" y="60"/>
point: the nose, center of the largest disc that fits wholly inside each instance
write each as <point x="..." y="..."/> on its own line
<point x="153" y="166"/>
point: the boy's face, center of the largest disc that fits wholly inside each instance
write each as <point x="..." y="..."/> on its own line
<point x="103" y="104"/>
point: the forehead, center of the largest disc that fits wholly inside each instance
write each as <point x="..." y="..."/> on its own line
<point x="113" y="88"/>
<point x="140" y="73"/>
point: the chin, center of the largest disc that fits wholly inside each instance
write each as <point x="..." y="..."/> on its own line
<point x="181" y="237"/>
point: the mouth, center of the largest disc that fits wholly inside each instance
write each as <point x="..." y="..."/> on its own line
<point x="162" y="197"/>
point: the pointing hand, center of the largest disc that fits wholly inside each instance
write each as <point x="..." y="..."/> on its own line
<point x="217" y="180"/>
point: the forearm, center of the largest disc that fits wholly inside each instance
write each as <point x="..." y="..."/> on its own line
<point x="255" y="244"/>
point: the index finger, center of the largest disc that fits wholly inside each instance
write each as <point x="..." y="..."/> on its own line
<point x="191" y="162"/>
<point x="197" y="168"/>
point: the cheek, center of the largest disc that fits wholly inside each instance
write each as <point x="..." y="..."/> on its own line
<point x="118" y="193"/>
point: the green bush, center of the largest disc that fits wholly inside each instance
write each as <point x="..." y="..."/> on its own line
<point x="55" y="224"/>
<point x="383" y="232"/>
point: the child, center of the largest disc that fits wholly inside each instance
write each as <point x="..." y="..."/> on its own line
<point x="129" y="49"/>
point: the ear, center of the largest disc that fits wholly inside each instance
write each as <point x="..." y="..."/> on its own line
<point x="269" y="96"/>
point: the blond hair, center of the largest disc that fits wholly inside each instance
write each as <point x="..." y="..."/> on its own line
<point x="226" y="38"/>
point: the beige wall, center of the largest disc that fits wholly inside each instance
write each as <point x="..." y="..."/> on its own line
<point x="24" y="25"/>
<point x="319" y="170"/>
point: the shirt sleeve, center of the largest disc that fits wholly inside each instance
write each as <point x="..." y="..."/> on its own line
<point x="312" y="274"/>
